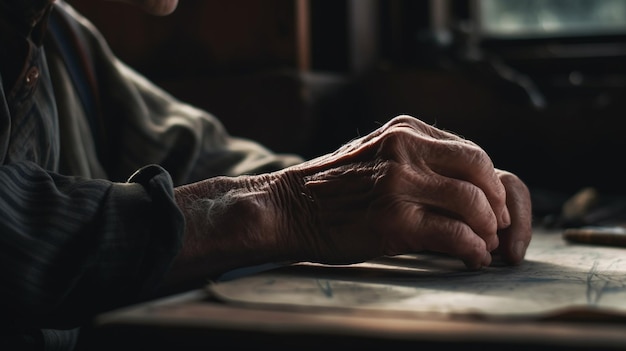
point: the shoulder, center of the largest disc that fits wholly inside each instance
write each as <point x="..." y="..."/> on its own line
<point x="74" y="20"/>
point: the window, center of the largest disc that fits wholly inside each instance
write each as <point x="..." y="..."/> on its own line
<point x="510" y="19"/>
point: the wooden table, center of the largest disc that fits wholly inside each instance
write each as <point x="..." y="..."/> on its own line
<point x="198" y="320"/>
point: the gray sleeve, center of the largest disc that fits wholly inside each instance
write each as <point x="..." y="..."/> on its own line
<point x="72" y="247"/>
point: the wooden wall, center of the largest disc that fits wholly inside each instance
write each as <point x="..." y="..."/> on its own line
<point x="201" y="36"/>
<point x="238" y="59"/>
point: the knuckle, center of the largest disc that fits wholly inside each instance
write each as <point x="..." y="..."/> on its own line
<point x="402" y="119"/>
<point x="412" y="123"/>
<point x="477" y="154"/>
<point x="394" y="141"/>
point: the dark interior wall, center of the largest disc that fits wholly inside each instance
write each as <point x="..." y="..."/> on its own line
<point x="202" y="37"/>
<point x="236" y="59"/>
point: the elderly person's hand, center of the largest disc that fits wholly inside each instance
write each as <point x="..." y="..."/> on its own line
<point x="407" y="187"/>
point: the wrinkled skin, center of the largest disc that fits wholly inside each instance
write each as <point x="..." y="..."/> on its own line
<point x="406" y="187"/>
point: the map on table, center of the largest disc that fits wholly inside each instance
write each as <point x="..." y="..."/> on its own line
<point x="556" y="279"/>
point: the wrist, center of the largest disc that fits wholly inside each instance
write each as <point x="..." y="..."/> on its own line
<point x="229" y="223"/>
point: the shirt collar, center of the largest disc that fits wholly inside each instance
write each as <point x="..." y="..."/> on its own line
<point x="25" y="14"/>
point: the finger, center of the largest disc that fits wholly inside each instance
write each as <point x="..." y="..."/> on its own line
<point x="401" y="184"/>
<point x="450" y="158"/>
<point x="443" y="234"/>
<point x="443" y="171"/>
<point x="515" y="239"/>
<point x="457" y="199"/>
<point x="469" y="162"/>
<point x="352" y="187"/>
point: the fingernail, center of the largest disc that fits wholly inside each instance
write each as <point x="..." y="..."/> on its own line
<point x="505" y="218"/>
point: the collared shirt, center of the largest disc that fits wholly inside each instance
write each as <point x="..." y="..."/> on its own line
<point x="90" y="151"/>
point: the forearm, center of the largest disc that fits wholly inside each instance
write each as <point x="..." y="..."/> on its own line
<point x="231" y="222"/>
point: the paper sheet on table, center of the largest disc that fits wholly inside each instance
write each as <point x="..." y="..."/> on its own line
<point x="555" y="279"/>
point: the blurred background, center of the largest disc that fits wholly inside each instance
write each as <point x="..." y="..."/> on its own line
<point x="540" y="84"/>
